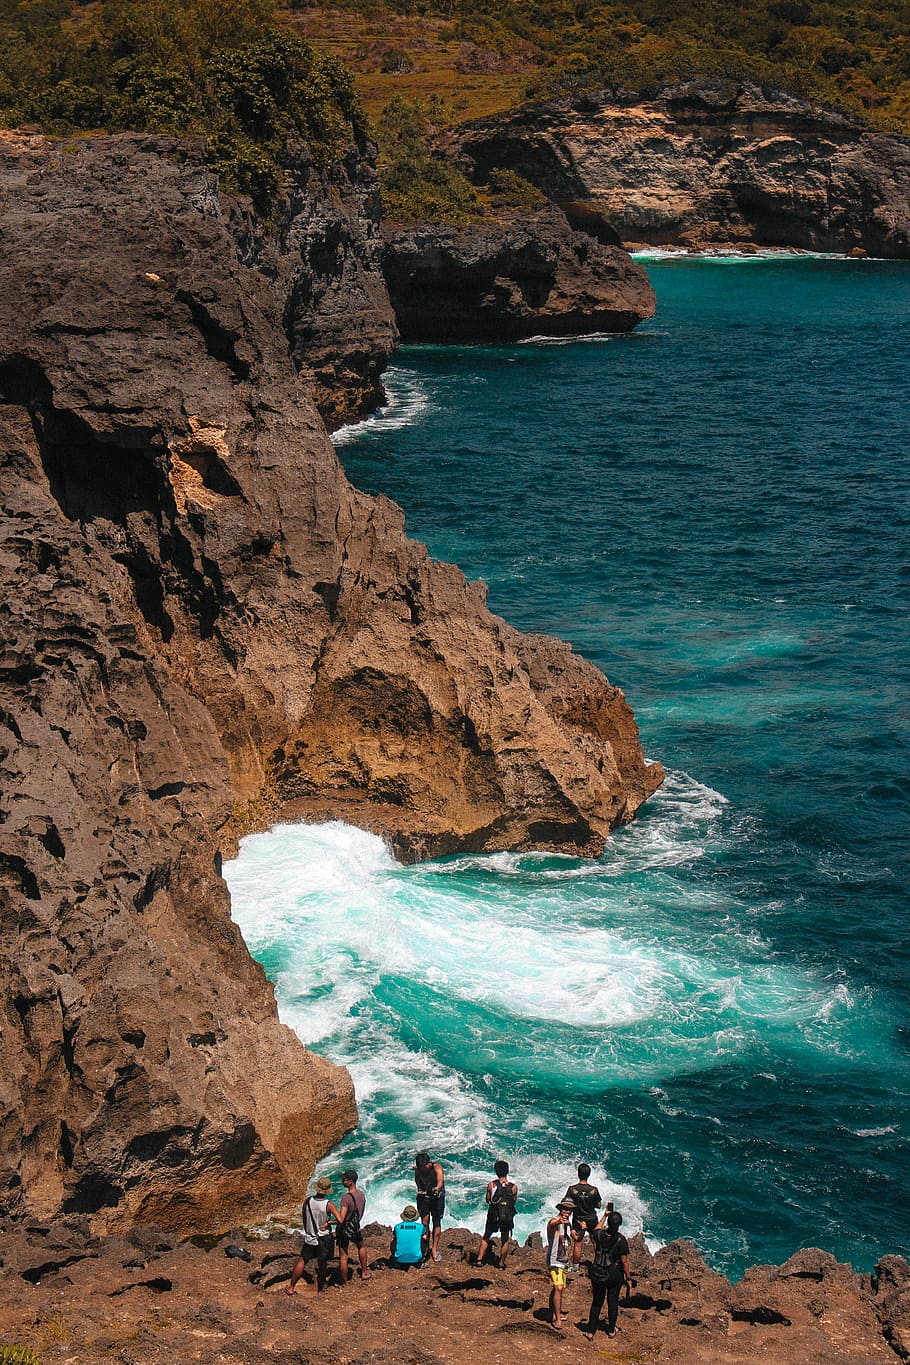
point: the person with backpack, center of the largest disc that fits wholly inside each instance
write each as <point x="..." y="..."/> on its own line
<point x="318" y="1239"/>
<point x="609" y="1272"/>
<point x="350" y="1226"/>
<point x="586" y="1199"/>
<point x="501" y="1196"/>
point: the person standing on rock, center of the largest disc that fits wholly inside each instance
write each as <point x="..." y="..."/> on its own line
<point x="609" y="1272"/>
<point x="350" y="1226"/>
<point x="318" y="1239"/>
<point x="431" y="1198"/>
<point x="559" y="1242"/>
<point x="501" y="1195"/>
<point x="586" y="1200"/>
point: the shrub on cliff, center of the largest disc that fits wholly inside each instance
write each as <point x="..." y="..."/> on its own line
<point x="207" y="66"/>
<point x="417" y="186"/>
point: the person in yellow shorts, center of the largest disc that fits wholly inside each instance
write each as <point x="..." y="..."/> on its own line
<point x="559" y="1249"/>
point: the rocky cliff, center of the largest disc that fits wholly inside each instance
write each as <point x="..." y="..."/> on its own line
<point x="204" y="624"/>
<point x="140" y="1298"/>
<point x="698" y="165"/>
<point x="497" y="281"/>
<point x="322" y="255"/>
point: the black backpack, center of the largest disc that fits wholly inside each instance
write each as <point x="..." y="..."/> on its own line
<point x="607" y="1266"/>
<point x="351" y="1225"/>
<point x="502" y="1202"/>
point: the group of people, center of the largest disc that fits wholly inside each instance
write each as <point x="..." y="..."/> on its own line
<point x="580" y="1215"/>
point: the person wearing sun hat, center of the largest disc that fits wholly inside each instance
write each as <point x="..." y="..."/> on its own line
<point x="559" y="1247"/>
<point x="318" y="1237"/>
<point x="410" y="1244"/>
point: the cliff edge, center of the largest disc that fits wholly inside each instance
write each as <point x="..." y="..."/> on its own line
<point x="700" y="164"/>
<point x="203" y="626"/>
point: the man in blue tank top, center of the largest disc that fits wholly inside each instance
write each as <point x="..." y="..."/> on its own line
<point x="409" y="1239"/>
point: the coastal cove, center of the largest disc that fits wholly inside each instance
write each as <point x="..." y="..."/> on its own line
<point x="714" y="1013"/>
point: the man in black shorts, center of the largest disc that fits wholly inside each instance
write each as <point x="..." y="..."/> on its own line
<point x="349" y="1231"/>
<point x="431" y="1198"/>
<point x="586" y="1199"/>
<point x="501" y="1195"/>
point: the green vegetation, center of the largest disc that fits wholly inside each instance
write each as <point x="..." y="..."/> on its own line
<point x="416" y="185"/>
<point x="18" y="1355"/>
<point x="848" y="54"/>
<point x="420" y="187"/>
<point x="215" y="67"/>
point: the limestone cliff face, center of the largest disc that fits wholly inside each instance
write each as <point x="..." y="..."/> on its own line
<point x="701" y="164"/>
<point x="200" y="615"/>
<point x="526" y="275"/>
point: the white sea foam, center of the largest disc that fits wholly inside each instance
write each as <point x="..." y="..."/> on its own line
<point x="583" y="338"/>
<point x="450" y="988"/>
<point x="407" y="401"/>
<point x="733" y="255"/>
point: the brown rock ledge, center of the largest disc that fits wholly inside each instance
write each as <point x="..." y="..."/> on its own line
<point x="528" y="274"/>
<point x="143" y="1299"/>
<point x="202" y="622"/>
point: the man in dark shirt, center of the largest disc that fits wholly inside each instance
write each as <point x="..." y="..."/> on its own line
<point x="586" y="1200"/>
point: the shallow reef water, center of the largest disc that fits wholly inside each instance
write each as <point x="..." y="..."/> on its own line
<point x="716" y="510"/>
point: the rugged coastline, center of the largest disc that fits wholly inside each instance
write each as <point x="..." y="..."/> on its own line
<point x="700" y="164"/>
<point x="143" y="1297"/>
<point x="527" y="274"/>
<point x="205" y="626"/>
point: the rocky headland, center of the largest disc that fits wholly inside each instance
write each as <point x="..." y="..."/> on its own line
<point x="524" y="275"/>
<point x="142" y="1297"/>
<point x="699" y="165"/>
<point x="205" y="627"/>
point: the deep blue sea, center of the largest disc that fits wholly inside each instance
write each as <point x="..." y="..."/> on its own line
<point x="716" y="1013"/>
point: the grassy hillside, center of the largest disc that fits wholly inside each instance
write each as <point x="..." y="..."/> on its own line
<point x="483" y="56"/>
<point x="256" y="75"/>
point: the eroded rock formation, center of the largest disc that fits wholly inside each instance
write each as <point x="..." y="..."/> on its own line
<point x="140" y="1298"/>
<point x="199" y="615"/>
<point x="701" y="164"/>
<point x="527" y="275"/>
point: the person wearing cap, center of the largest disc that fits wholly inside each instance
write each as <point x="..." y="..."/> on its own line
<point x="318" y="1239"/>
<point x="350" y="1226"/>
<point x="409" y="1239"/>
<point x="559" y="1245"/>
<point x="609" y="1271"/>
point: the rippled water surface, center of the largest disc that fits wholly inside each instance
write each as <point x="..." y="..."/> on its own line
<point x="715" y="1013"/>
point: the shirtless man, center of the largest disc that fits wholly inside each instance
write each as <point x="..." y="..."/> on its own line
<point x="431" y="1198"/>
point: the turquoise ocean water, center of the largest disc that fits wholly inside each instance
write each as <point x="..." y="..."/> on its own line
<point x="716" y="510"/>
